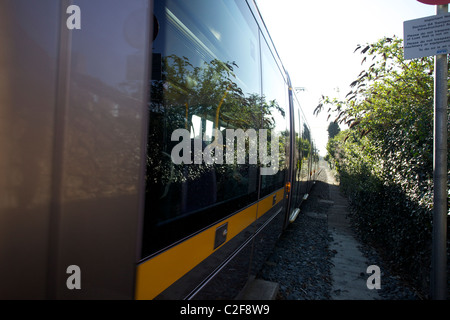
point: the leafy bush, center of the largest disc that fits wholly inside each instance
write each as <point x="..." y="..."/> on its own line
<point x="385" y="158"/>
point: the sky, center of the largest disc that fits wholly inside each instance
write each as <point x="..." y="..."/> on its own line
<point x="316" y="40"/>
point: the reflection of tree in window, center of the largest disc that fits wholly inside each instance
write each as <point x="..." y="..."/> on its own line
<point x="186" y="93"/>
<point x="206" y="76"/>
<point x="198" y="99"/>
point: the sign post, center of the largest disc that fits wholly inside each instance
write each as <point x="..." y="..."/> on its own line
<point x="439" y="253"/>
<point x="427" y="37"/>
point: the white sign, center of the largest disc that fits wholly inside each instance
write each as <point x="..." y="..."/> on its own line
<point x="426" y="36"/>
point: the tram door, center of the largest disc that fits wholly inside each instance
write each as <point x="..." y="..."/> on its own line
<point x="294" y="209"/>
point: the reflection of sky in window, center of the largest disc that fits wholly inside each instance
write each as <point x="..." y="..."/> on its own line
<point x="223" y="34"/>
<point x="274" y="87"/>
<point x="196" y="126"/>
<point x="196" y="129"/>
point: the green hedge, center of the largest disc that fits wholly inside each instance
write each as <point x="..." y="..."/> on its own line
<point x="389" y="210"/>
<point x="385" y="158"/>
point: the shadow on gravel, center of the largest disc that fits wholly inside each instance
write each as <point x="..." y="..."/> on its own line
<point x="300" y="262"/>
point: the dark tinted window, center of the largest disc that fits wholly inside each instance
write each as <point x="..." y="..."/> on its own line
<point x="205" y="80"/>
<point x="275" y="118"/>
<point x="296" y="194"/>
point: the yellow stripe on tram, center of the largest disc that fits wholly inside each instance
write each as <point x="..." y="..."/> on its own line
<point x="160" y="272"/>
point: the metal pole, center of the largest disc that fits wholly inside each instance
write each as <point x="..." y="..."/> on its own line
<point x="439" y="251"/>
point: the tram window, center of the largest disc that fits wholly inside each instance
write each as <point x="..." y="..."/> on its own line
<point x="276" y="116"/>
<point x="306" y="147"/>
<point x="209" y="79"/>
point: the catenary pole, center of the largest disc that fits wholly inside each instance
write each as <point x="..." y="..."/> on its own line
<point x="439" y="250"/>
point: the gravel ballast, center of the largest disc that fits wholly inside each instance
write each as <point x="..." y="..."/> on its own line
<point x="302" y="260"/>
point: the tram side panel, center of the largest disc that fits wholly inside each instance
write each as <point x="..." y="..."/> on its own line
<point x="73" y="105"/>
<point x="102" y="125"/>
<point x="295" y="195"/>
<point x="275" y="89"/>
<point x="77" y="201"/>
<point x="206" y="76"/>
<point x="29" y="45"/>
<point x="303" y="172"/>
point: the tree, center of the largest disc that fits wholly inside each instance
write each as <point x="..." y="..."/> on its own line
<point x="333" y="129"/>
<point x="385" y="158"/>
<point x="391" y="101"/>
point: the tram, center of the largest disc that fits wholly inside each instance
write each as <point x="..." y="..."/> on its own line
<point x="93" y="204"/>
